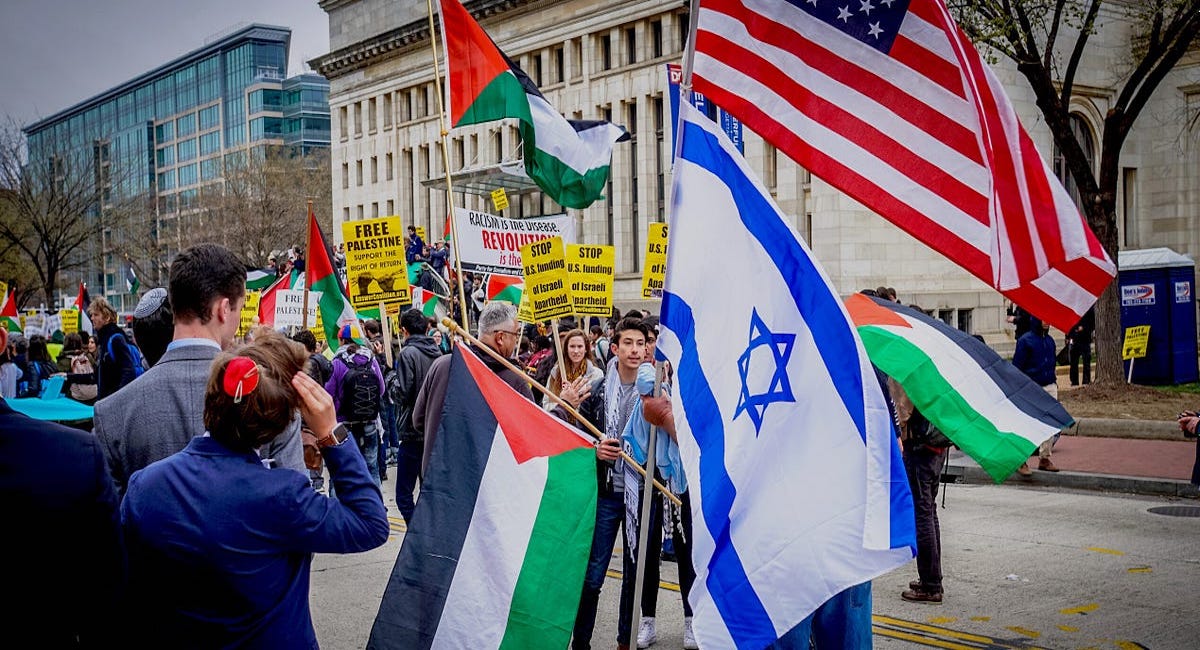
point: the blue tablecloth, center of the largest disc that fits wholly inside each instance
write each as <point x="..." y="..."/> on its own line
<point x="62" y="409"/>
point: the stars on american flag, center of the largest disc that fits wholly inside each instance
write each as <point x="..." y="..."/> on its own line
<point x="874" y="23"/>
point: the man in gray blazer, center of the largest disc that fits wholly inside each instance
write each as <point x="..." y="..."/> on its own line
<point x="159" y="413"/>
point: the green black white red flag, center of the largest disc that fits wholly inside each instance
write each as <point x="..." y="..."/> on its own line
<point x="499" y="543"/>
<point x="319" y="276"/>
<point x="568" y="159"/>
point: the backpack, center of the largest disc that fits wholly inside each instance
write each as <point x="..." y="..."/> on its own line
<point x="922" y="432"/>
<point x="135" y="355"/>
<point x="39" y="372"/>
<point x="80" y="365"/>
<point x="359" y="392"/>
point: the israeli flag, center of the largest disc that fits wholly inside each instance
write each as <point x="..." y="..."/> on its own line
<point x="798" y="489"/>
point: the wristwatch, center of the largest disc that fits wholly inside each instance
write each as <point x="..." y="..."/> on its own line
<point x="335" y="437"/>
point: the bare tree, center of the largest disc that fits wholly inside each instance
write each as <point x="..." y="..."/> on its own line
<point x="55" y="206"/>
<point x="262" y="205"/>
<point x="1048" y="40"/>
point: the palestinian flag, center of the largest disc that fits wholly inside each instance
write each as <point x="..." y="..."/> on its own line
<point x="987" y="407"/>
<point x="82" y="301"/>
<point x="257" y="280"/>
<point x="568" y="159"/>
<point x="132" y="284"/>
<point x="266" y="302"/>
<point x="499" y="543"/>
<point x="505" y="288"/>
<point x="426" y="301"/>
<point x="9" y="318"/>
<point x="319" y="275"/>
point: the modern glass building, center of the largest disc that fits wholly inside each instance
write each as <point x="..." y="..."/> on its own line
<point x="167" y="135"/>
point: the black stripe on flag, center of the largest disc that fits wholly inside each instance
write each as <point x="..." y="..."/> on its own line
<point x="416" y="592"/>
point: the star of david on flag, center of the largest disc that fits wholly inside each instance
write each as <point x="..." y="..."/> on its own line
<point x="797" y="488"/>
<point x="780" y="388"/>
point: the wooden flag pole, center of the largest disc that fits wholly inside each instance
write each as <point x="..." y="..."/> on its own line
<point x="308" y="218"/>
<point x="387" y="333"/>
<point x="437" y="90"/>
<point x="639" y="566"/>
<point x="584" y="424"/>
<point x="558" y="349"/>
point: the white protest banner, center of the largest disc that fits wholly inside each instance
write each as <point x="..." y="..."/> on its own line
<point x="487" y="243"/>
<point x="289" y="308"/>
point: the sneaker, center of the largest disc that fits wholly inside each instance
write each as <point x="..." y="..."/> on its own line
<point x="647" y="635"/>
<point x="922" y="596"/>
<point x="1046" y="466"/>
<point x="689" y="638"/>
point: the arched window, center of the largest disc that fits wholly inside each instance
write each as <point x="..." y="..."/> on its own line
<point x="1083" y="135"/>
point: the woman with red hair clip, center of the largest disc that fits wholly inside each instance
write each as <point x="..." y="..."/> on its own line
<point x="219" y="547"/>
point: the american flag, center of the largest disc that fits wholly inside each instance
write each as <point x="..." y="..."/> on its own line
<point x="888" y="101"/>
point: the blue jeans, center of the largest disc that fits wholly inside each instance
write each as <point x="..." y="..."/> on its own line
<point x="408" y="467"/>
<point x="366" y="436"/>
<point x="610" y="516"/>
<point x="843" y="621"/>
<point x="387" y="447"/>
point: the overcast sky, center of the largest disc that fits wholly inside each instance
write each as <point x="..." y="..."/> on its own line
<point x="55" y="53"/>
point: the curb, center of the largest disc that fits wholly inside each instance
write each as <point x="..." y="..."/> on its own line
<point x="1117" y="428"/>
<point x="973" y="474"/>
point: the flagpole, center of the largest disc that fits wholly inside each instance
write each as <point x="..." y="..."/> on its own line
<point x="685" y="84"/>
<point x="307" y="253"/>
<point x="455" y="328"/>
<point x="437" y="90"/>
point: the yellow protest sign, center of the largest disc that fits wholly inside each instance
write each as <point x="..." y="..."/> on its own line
<point x="249" y="312"/>
<point x="318" y="330"/>
<point x="1137" y="340"/>
<point x="654" y="273"/>
<point x="499" y="198"/>
<point x="524" y="315"/>
<point x="545" y="269"/>
<point x="421" y="233"/>
<point x="590" y="269"/>
<point x="375" y="268"/>
<point x="70" y="320"/>
<point x="3" y="292"/>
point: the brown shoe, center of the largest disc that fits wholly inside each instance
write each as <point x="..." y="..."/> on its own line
<point x="915" y="584"/>
<point x="922" y="596"/>
<point x="1024" y="470"/>
<point x="1046" y="466"/>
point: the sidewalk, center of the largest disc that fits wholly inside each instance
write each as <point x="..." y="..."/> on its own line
<point x="1140" y="466"/>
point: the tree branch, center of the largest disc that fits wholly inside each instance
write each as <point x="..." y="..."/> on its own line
<point x="1085" y="32"/>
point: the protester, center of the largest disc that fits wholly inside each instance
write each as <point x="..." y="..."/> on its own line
<point x="413" y="245"/>
<point x="319" y="368"/>
<point x="620" y="396"/>
<point x="1079" y="346"/>
<point x="81" y="374"/>
<point x="357" y="389"/>
<point x="153" y="325"/>
<point x="38" y="367"/>
<point x="10" y="374"/>
<point x="159" y="413"/>
<point x="440" y="340"/>
<point x="412" y="366"/>
<point x="220" y="549"/>
<point x="499" y="331"/>
<point x="118" y="363"/>
<point x="56" y="491"/>
<point x="438" y="257"/>
<point x="388" y="439"/>
<point x="1035" y="357"/>
<point x="1188" y="421"/>
<point x="924" y="457"/>
<point x="296" y="254"/>
<point x="583" y="376"/>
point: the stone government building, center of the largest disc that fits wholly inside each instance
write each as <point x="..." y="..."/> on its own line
<point x="608" y="60"/>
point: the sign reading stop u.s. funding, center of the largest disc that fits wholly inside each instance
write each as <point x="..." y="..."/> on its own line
<point x="545" y="269"/>
<point x="590" y="269"/>
<point x="376" y="271"/>
<point x="654" y="273"/>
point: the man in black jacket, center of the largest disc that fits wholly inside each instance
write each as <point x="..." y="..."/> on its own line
<point x="412" y="364"/>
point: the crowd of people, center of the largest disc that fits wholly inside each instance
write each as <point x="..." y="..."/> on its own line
<point x="202" y="491"/>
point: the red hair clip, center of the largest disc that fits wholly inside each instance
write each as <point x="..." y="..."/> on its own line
<point x="241" y="378"/>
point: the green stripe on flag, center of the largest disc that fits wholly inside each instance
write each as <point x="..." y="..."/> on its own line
<point x="546" y="596"/>
<point x="502" y="98"/>
<point x="999" y="453"/>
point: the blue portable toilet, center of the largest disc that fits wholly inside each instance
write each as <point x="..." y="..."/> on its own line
<point x="1157" y="287"/>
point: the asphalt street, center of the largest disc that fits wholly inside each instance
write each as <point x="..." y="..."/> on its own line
<point x="1024" y="568"/>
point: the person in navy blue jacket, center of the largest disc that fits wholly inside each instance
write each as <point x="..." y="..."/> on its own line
<point x="1035" y="356"/>
<point x="219" y="547"/>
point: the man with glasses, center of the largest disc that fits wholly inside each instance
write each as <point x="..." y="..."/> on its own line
<point x="499" y="331"/>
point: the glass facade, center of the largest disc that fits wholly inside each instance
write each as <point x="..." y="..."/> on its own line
<point x="179" y="124"/>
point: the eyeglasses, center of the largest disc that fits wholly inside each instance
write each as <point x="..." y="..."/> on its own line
<point x="517" y="333"/>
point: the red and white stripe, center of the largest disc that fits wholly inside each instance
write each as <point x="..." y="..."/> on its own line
<point x="925" y="136"/>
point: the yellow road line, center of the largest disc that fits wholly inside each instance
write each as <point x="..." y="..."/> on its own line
<point x="1068" y="628"/>
<point x="1082" y="609"/>
<point x="922" y="640"/>
<point x="1033" y="634"/>
<point x="663" y="584"/>
<point x="929" y="629"/>
<point x="981" y="619"/>
<point x="1139" y="569"/>
<point x="939" y="620"/>
<point x="1106" y="551"/>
